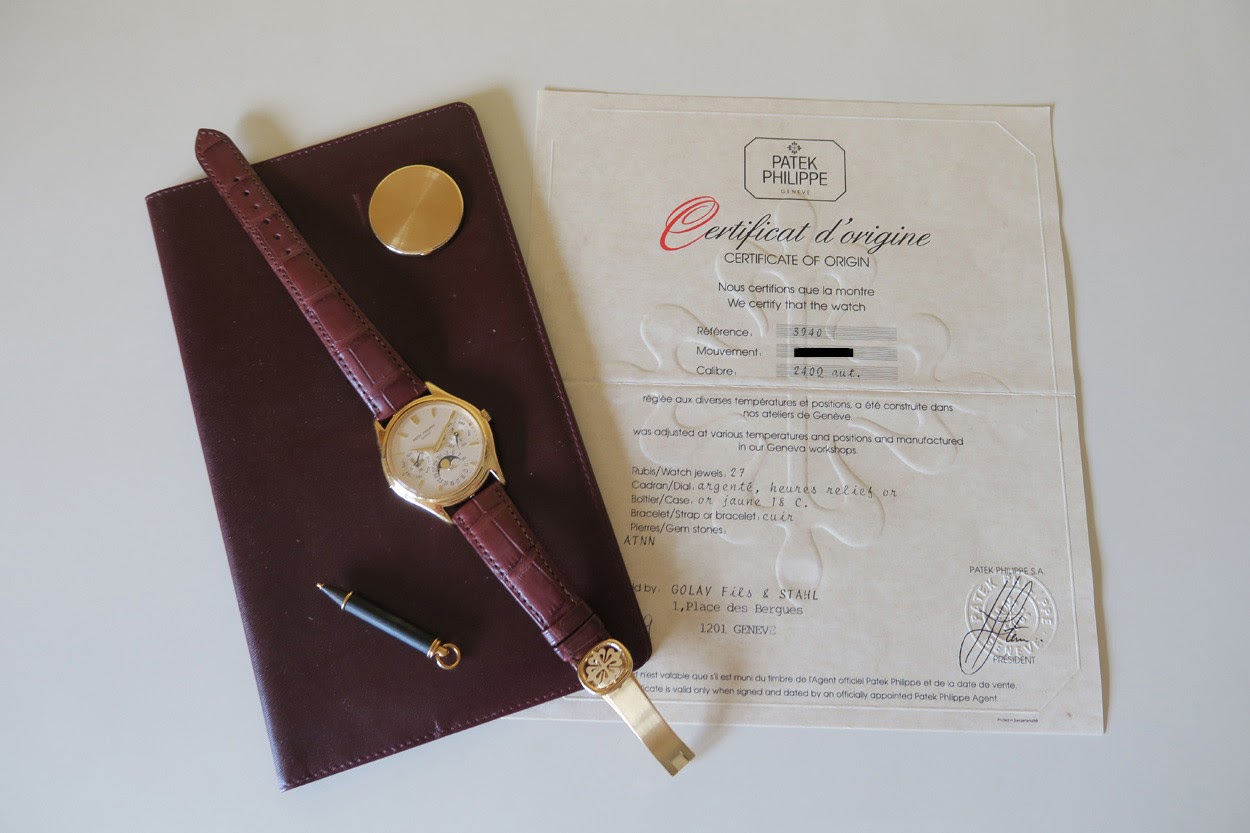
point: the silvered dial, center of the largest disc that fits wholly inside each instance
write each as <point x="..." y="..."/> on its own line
<point x="435" y="449"/>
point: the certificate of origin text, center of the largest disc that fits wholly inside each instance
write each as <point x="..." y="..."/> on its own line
<point x="821" y="357"/>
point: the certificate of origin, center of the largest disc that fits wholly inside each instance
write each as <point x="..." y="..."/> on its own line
<point x="821" y="356"/>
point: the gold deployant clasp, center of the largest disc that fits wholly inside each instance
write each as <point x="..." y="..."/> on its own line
<point x="608" y="670"/>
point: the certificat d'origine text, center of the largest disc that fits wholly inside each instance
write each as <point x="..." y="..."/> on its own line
<point x="821" y="356"/>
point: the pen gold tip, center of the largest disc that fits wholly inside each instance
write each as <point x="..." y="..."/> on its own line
<point x="321" y="586"/>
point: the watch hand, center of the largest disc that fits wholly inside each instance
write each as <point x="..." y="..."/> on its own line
<point x="442" y="436"/>
<point x="437" y="444"/>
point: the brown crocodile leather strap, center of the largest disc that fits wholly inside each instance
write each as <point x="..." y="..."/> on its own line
<point x="501" y="536"/>
<point x="373" y="367"/>
<point x="489" y="520"/>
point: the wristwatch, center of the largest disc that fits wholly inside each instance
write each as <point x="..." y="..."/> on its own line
<point x="438" y="451"/>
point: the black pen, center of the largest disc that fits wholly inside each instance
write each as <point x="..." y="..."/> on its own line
<point x="445" y="654"/>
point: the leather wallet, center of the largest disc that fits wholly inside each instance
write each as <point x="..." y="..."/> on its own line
<point x="293" y="462"/>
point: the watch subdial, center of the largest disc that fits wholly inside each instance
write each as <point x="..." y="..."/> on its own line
<point x="455" y="464"/>
<point x="412" y="462"/>
<point x="451" y="472"/>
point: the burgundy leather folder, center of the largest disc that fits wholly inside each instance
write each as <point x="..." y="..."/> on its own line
<point x="294" y="466"/>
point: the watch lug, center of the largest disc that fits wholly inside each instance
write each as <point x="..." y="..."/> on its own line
<point x="379" y="431"/>
<point x="433" y="508"/>
<point x="437" y="511"/>
<point x="435" y="389"/>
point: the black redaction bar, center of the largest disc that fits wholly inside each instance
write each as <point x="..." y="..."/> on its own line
<point x="824" y="352"/>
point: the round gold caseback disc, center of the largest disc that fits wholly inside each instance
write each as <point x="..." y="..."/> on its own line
<point x="416" y="209"/>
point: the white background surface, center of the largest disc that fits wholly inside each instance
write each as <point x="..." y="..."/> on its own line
<point x="126" y="696"/>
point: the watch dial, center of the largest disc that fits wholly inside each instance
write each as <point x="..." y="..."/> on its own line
<point x="436" y="449"/>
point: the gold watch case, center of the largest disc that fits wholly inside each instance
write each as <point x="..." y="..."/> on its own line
<point x="437" y="451"/>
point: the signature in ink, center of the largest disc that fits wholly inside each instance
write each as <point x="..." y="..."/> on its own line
<point x="1004" y="620"/>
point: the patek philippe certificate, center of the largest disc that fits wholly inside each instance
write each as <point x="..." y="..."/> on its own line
<point x="821" y="356"/>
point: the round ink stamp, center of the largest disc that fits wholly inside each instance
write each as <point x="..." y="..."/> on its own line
<point x="1011" y="619"/>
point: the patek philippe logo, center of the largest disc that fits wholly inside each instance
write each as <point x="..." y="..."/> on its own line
<point x="794" y="169"/>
